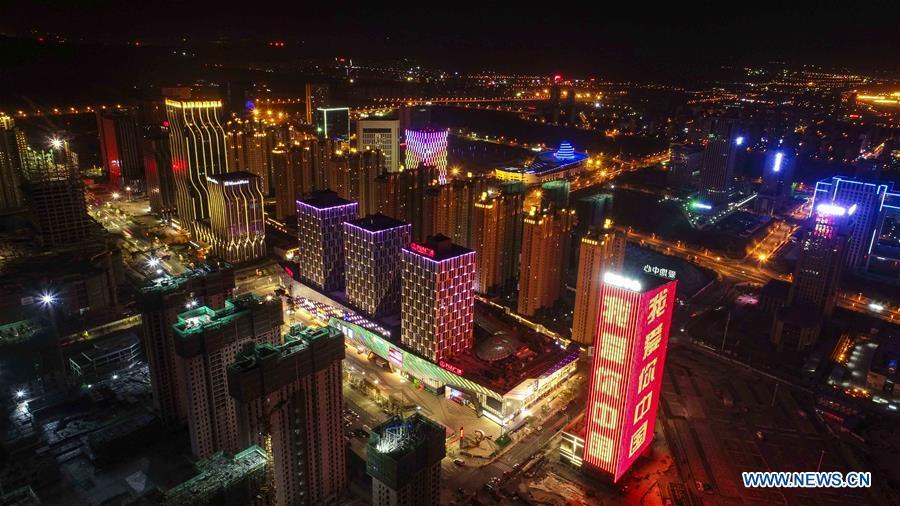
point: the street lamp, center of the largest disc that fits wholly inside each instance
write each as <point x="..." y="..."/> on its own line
<point x="20" y="394"/>
<point x="55" y="143"/>
<point x="47" y="298"/>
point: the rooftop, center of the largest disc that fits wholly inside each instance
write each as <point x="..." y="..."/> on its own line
<point x="325" y="199"/>
<point x="377" y="223"/>
<point x="399" y="435"/>
<point x="172" y="283"/>
<point x="548" y="161"/>
<point x="438" y="247"/>
<point x="203" y="318"/>
<point x="233" y="178"/>
<point x="217" y="474"/>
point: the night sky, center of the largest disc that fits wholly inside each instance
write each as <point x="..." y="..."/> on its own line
<point x="510" y="36"/>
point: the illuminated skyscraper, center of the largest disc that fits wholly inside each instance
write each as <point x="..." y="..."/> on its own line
<point x="320" y="224"/>
<point x="427" y="148"/>
<point x="333" y="123"/>
<point x="290" y="396"/>
<point x="372" y="252"/>
<point x="120" y="149"/>
<point x="352" y="175"/>
<point x="717" y="170"/>
<point x="292" y="169"/>
<point x="404" y="460"/>
<point x="197" y="142"/>
<point x="160" y="303"/>
<point x="401" y="195"/>
<point x="13" y="147"/>
<point x="817" y="277"/>
<point x="627" y="368"/>
<point x="383" y="135"/>
<point x="778" y="176"/>
<point x="545" y="246"/>
<point x="600" y="251"/>
<point x="237" y="219"/>
<point x="447" y="209"/>
<point x="207" y="342"/>
<point x="437" y="298"/>
<point x="872" y="201"/>
<point x="496" y="238"/>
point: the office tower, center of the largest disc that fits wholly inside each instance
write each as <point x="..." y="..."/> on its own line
<point x="237" y="219"/>
<point x="383" y="135"/>
<point x="320" y="225"/>
<point x="54" y="191"/>
<point x="207" y="342"/>
<point x="13" y="146"/>
<point x="427" y="148"/>
<point x="778" y="177"/>
<point x="437" y="298"/>
<point x="333" y="123"/>
<point x="626" y="371"/>
<point x="817" y="276"/>
<point x="685" y="160"/>
<point x="717" y="169"/>
<point x="289" y="400"/>
<point x="447" y="209"/>
<point x="160" y="303"/>
<point x="120" y="149"/>
<point x="317" y="95"/>
<point x="256" y="153"/>
<point x="545" y="246"/>
<point x="592" y="212"/>
<point x="869" y="199"/>
<point x="197" y="142"/>
<point x="372" y="251"/>
<point x="404" y="460"/>
<point x="496" y="238"/>
<point x="159" y="178"/>
<point x="600" y="251"/>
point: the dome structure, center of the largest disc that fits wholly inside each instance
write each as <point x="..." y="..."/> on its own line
<point x="497" y="347"/>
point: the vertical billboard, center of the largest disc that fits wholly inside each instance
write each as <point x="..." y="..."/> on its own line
<point x="626" y="370"/>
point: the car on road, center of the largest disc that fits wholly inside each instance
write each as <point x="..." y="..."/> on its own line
<point x="760" y="435"/>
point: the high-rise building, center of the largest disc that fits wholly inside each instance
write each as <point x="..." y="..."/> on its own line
<point x="237" y="219"/>
<point x="160" y="303"/>
<point x="383" y="135"/>
<point x="447" y="209"/>
<point x="352" y="175"/>
<point x="120" y="149"/>
<point x="372" y="253"/>
<point x="401" y="195"/>
<point x="404" y="460"/>
<point x="817" y="277"/>
<point x="427" y="148"/>
<point x="717" y="169"/>
<point x="13" y="147"/>
<point x="496" y="238"/>
<point x="289" y="400"/>
<point x="207" y="342"/>
<point x="160" y="180"/>
<point x="545" y="246"/>
<point x="626" y="371"/>
<point x="869" y="199"/>
<point x="320" y="224"/>
<point x="54" y="191"/>
<point x="437" y="298"/>
<point x="684" y="161"/>
<point x="292" y="168"/>
<point x="778" y="178"/>
<point x="198" y="149"/>
<point x="600" y="251"/>
<point x="333" y="123"/>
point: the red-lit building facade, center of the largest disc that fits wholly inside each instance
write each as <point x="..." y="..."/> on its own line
<point x="626" y="371"/>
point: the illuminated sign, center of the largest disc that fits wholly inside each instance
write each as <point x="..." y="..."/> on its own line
<point x="776" y="167"/>
<point x="450" y="367"/>
<point x="659" y="271"/>
<point x="395" y="356"/>
<point x="831" y="210"/>
<point x="621" y="281"/>
<point x="422" y="250"/>
<point x="739" y="141"/>
<point x="626" y="375"/>
<point x="700" y="205"/>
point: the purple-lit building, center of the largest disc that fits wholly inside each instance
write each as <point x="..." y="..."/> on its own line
<point x="372" y="252"/>
<point x="427" y="148"/>
<point x="437" y="298"/>
<point x="320" y="226"/>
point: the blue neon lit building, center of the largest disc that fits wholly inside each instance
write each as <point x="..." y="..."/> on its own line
<point x="874" y="202"/>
